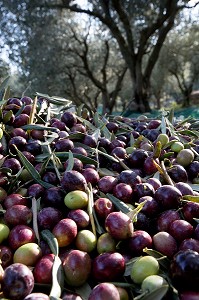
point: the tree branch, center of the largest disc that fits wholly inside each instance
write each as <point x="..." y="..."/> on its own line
<point x="114" y="93"/>
<point x="156" y="50"/>
<point x="124" y="18"/>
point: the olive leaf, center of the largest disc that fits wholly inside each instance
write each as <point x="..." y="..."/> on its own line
<point x="77" y="136"/>
<point x="171" y="116"/>
<point x="106" y="172"/>
<point x="134" y="212"/>
<point x="106" y="155"/>
<point x="119" y="204"/>
<point x="79" y="109"/>
<point x="96" y="227"/>
<point x="7" y="116"/>
<point x="84" y="291"/>
<point x="132" y="140"/>
<point x="191" y="198"/>
<point x="33" y="111"/>
<point x="156" y="294"/>
<point x="39" y="127"/>
<point x="101" y="124"/>
<point x="35" y="224"/>
<point x="20" y="110"/>
<point x="31" y="169"/>
<point x="163" y="124"/>
<point x="51" y="241"/>
<point x="55" y="99"/>
<point x="14" y="180"/>
<point x="162" y="259"/>
<point x="70" y="161"/>
<point x="57" y="278"/>
<point x="129" y="264"/>
<point x="96" y="134"/>
<point x="193" y="133"/>
<point x="83" y="158"/>
<point x="90" y="207"/>
<point x="87" y="123"/>
<point x="157" y="149"/>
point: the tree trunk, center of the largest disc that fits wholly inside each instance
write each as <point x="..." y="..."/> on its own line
<point x="158" y="100"/>
<point x="186" y="102"/>
<point x="105" y="103"/>
<point x="141" y="87"/>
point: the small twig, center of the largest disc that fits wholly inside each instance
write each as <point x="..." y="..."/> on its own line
<point x="165" y="174"/>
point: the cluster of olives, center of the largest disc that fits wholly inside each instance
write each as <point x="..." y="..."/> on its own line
<point x="97" y="208"/>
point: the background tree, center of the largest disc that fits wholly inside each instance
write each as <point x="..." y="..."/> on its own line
<point x="63" y="56"/>
<point x="52" y="59"/>
<point x="139" y="27"/>
<point x="95" y="62"/>
<point x="183" y="58"/>
<point x="4" y="69"/>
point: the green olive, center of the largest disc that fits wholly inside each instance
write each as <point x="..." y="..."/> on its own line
<point x="76" y="199"/>
<point x="152" y="282"/>
<point x="143" y="267"/>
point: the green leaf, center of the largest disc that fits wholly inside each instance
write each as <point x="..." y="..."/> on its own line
<point x="87" y="123"/>
<point x="14" y="180"/>
<point x="106" y="172"/>
<point x="106" y="155"/>
<point x="7" y="116"/>
<point x="51" y="241"/>
<point x="157" y="294"/>
<point x="132" y="140"/>
<point x="83" y="158"/>
<point x="134" y="212"/>
<point x="79" y="109"/>
<point x="101" y="125"/>
<point x="191" y="198"/>
<point x="39" y="127"/>
<point x="189" y="132"/>
<point x="162" y="259"/>
<point x="119" y="204"/>
<point x="49" y="139"/>
<point x="129" y="264"/>
<point x="96" y="134"/>
<point x="6" y="93"/>
<point x="31" y="169"/>
<point x="90" y="207"/>
<point x="35" y="224"/>
<point x="84" y="291"/>
<point x="168" y="145"/>
<point x="20" y="110"/>
<point x="157" y="149"/>
<point x="57" y="278"/>
<point x="77" y="136"/>
<point x="171" y="115"/>
<point x="197" y="220"/>
<point x="163" y="125"/>
<point x="70" y="161"/>
<point x="55" y="99"/>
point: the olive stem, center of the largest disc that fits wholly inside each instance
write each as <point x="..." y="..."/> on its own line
<point x="165" y="174"/>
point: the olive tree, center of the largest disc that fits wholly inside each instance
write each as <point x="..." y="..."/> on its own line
<point x="139" y="27"/>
